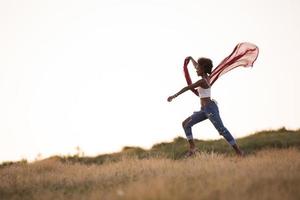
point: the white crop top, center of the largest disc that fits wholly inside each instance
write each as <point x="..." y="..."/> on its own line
<point x="204" y="92"/>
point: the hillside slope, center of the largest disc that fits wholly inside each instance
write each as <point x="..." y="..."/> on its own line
<point x="281" y="138"/>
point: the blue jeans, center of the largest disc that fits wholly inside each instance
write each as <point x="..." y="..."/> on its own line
<point x="211" y="112"/>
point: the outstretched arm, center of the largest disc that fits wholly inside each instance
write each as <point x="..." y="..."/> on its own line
<point x="194" y="85"/>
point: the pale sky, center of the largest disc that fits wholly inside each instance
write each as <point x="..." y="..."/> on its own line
<point x="97" y="74"/>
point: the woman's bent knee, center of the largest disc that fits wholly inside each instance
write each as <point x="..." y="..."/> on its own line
<point x="185" y="122"/>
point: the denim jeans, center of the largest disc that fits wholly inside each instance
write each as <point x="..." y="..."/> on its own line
<point x="211" y="112"/>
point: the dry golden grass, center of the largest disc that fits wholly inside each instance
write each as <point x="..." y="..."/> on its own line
<point x="270" y="174"/>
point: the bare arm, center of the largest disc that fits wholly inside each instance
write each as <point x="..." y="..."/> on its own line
<point x="193" y="61"/>
<point x="194" y="85"/>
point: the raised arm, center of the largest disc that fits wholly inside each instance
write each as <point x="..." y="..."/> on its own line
<point x="193" y="61"/>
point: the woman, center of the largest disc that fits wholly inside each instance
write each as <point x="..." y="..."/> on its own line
<point x="209" y="109"/>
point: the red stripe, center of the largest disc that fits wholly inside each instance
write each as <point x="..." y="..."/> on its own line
<point x="220" y="69"/>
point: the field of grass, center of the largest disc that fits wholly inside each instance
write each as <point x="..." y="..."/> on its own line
<point x="270" y="170"/>
<point x="279" y="139"/>
<point x="268" y="174"/>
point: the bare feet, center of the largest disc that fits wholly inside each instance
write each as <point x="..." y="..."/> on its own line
<point x="238" y="151"/>
<point x="191" y="152"/>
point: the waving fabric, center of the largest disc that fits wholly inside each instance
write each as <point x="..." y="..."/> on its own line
<point x="244" y="54"/>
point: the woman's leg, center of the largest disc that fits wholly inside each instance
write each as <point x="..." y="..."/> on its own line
<point x="212" y="112"/>
<point x="187" y="124"/>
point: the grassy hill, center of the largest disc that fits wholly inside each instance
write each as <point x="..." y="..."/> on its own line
<point x="281" y="138"/>
<point x="176" y="149"/>
<point x="270" y="170"/>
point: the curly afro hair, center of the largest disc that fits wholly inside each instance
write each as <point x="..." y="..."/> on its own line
<point x="206" y="63"/>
